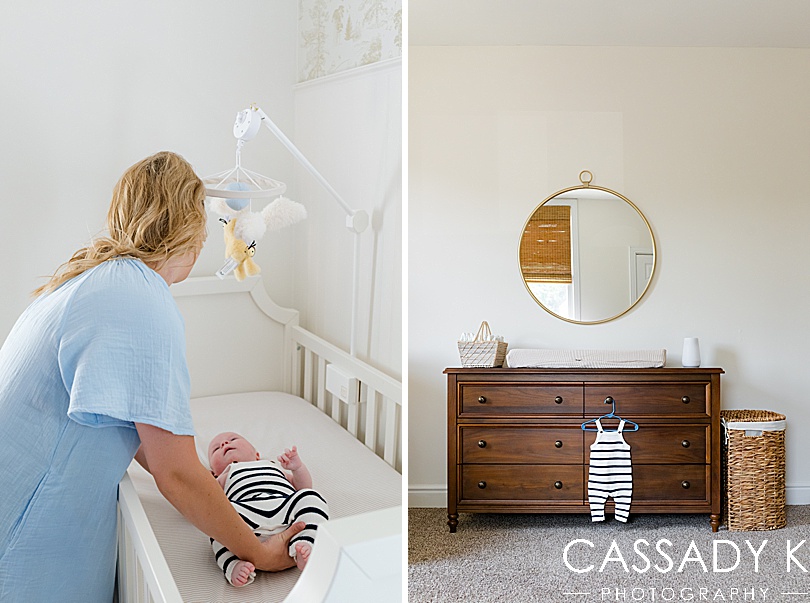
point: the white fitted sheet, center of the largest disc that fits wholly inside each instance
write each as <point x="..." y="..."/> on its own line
<point x="351" y="477"/>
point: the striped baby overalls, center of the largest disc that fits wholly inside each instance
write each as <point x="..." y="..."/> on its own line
<point x="268" y="502"/>
<point x="610" y="473"/>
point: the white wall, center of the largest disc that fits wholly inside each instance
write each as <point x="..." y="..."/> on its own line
<point x="709" y="143"/>
<point x="90" y="87"/>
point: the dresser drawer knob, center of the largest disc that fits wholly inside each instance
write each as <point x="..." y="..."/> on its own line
<point x="558" y="400"/>
<point x="685" y="485"/>
<point x="558" y="443"/>
<point x="685" y="400"/>
<point x="482" y="399"/>
<point x="482" y="484"/>
<point x="482" y="443"/>
<point x="558" y="485"/>
<point x="609" y="400"/>
<point x="685" y="443"/>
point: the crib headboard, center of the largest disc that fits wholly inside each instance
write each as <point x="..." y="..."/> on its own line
<point x="362" y="399"/>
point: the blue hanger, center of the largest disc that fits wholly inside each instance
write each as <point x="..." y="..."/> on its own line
<point x="611" y="415"/>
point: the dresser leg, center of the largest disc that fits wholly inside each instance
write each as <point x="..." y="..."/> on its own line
<point x="452" y="521"/>
<point x="715" y="519"/>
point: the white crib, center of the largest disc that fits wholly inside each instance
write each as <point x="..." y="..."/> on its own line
<point x="358" y="556"/>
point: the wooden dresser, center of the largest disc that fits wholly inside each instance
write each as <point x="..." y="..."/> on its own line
<point x="515" y="442"/>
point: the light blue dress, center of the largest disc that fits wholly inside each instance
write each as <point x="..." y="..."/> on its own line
<point x="80" y="367"/>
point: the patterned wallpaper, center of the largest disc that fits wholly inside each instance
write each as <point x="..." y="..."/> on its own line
<point x="336" y="35"/>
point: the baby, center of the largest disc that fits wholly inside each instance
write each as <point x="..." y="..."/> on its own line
<point x="267" y="497"/>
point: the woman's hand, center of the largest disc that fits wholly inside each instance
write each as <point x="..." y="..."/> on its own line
<point x="275" y="554"/>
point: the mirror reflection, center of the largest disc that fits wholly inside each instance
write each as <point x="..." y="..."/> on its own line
<point x="587" y="254"/>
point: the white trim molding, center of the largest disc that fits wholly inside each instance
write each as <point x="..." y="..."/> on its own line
<point x="427" y="496"/>
<point x="353" y="72"/>
<point x="798" y="495"/>
<point x="435" y="495"/>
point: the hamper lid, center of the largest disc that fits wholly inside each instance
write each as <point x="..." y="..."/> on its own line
<point x="756" y="426"/>
<point x="753" y="420"/>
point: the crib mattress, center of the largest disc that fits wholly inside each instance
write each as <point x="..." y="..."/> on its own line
<point x="352" y="479"/>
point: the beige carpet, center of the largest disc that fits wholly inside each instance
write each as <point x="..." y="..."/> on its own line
<point x="519" y="558"/>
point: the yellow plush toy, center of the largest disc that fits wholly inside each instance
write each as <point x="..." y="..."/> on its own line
<point x="243" y="228"/>
<point x="241" y="253"/>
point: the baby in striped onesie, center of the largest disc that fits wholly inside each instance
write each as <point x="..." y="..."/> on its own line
<point x="269" y="495"/>
<point x="610" y="473"/>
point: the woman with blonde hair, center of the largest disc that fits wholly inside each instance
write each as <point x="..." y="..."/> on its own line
<point x="93" y="374"/>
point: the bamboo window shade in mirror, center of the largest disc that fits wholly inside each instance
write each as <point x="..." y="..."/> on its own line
<point x="587" y="253"/>
<point x="545" y="251"/>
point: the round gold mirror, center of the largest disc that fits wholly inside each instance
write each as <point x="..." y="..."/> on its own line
<point x="587" y="253"/>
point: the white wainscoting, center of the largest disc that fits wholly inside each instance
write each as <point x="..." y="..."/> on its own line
<point x="350" y="127"/>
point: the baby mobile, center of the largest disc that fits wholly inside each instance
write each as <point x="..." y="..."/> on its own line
<point x="231" y="193"/>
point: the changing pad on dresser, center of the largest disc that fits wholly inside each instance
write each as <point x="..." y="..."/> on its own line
<point x="538" y="358"/>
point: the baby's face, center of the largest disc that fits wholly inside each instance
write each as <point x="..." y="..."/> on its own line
<point x="227" y="448"/>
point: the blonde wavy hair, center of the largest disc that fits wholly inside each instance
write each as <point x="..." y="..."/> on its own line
<point x="157" y="211"/>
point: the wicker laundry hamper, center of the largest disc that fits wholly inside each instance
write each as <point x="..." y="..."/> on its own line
<point x="753" y="470"/>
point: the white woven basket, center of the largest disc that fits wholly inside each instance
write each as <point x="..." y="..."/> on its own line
<point x="481" y="352"/>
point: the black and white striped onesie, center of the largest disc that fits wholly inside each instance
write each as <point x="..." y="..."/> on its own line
<point x="267" y="501"/>
<point x="610" y="473"/>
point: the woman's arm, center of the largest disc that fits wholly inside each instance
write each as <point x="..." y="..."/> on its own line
<point x="141" y="458"/>
<point x="193" y="491"/>
<point x="222" y="478"/>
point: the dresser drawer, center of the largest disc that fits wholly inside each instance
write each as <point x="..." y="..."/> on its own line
<point x="662" y="483"/>
<point x="645" y="399"/>
<point x="521" y="482"/>
<point x="520" y="445"/>
<point x="515" y="398"/>
<point x="674" y="444"/>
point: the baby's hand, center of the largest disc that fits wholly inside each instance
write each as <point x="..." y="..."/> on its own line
<point x="290" y="459"/>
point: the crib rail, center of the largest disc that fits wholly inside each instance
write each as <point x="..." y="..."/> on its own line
<point x="370" y="408"/>
<point x="369" y="403"/>
<point x="143" y="574"/>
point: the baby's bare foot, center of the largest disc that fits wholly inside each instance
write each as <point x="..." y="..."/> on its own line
<point x="302" y="552"/>
<point x="242" y="572"/>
